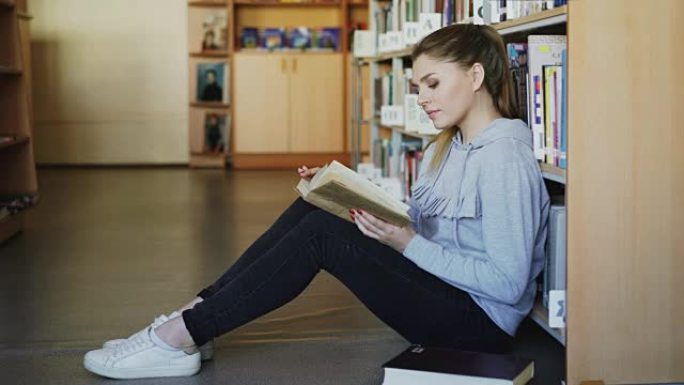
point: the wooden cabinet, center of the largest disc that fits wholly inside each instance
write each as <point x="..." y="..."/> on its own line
<point x="288" y="103"/>
<point x="261" y="103"/>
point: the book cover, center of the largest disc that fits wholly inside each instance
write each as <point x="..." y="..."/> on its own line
<point x="214" y="31"/>
<point x="337" y="189"/>
<point x="423" y="365"/>
<point x="211" y="82"/>
<point x="562" y="157"/>
<point x="299" y="38"/>
<point x="327" y="39"/>
<point x="273" y="38"/>
<point x="542" y="50"/>
<point x="249" y="37"/>
<point x="215" y="133"/>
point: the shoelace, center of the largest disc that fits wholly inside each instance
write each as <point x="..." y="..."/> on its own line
<point x="130" y="346"/>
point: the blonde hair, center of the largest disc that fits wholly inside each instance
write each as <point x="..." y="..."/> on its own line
<point x="467" y="44"/>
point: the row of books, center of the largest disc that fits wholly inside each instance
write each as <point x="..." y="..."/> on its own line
<point x="554" y="274"/>
<point x="401" y="166"/>
<point x="298" y="38"/>
<point x="401" y="23"/>
<point x="539" y="69"/>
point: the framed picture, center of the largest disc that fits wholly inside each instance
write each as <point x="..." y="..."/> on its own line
<point x="214" y="31"/>
<point x="212" y="82"/>
<point x="215" y="132"/>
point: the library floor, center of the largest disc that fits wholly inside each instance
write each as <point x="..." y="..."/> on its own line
<point x="108" y="249"/>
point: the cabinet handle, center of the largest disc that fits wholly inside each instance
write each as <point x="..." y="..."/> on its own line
<point x="294" y="65"/>
<point x="283" y="65"/>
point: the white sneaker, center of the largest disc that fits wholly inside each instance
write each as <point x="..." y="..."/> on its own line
<point x="206" y="350"/>
<point x="139" y="357"/>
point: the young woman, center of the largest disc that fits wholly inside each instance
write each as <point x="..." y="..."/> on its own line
<point x="462" y="275"/>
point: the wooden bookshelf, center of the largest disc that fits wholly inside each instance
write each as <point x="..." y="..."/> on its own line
<point x="553" y="173"/>
<point x="200" y="111"/>
<point x="624" y="187"/>
<point x="540" y="315"/>
<point x="209" y="54"/>
<point x="207" y="4"/>
<point x="315" y="3"/>
<point x="17" y="166"/>
<point x="546" y="18"/>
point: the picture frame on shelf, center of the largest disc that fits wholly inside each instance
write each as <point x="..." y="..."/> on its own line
<point x="214" y="31"/>
<point x="212" y="82"/>
<point x="216" y="132"/>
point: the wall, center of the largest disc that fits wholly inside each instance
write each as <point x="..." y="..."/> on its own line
<point x="109" y="81"/>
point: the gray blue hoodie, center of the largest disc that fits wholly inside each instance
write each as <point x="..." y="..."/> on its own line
<point x="481" y="220"/>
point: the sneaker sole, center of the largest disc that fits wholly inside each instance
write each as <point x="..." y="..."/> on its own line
<point x="124" y="374"/>
<point x="206" y="350"/>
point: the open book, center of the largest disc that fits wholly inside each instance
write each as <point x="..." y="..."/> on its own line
<point x="336" y="189"/>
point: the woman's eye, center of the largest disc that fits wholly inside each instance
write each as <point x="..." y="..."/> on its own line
<point x="432" y="85"/>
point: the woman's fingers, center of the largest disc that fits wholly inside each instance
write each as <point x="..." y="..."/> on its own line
<point x="365" y="231"/>
<point x="365" y="220"/>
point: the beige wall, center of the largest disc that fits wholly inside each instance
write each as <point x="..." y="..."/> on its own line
<point x="110" y="81"/>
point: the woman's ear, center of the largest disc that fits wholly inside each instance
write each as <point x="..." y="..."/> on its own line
<point x="477" y="74"/>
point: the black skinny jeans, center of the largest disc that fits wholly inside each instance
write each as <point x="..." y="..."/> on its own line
<point x="304" y="240"/>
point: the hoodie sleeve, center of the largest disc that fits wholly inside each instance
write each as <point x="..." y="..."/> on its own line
<point x="511" y="215"/>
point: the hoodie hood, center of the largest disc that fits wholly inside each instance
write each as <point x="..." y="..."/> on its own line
<point x="500" y="129"/>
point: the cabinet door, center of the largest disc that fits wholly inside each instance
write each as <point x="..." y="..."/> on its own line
<point x="316" y="103"/>
<point x="261" y="103"/>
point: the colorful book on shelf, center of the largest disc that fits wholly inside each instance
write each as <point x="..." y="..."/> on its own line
<point x="517" y="56"/>
<point x="337" y="189"/>
<point x="327" y="38"/>
<point x="551" y="113"/>
<point x="299" y="38"/>
<point x="442" y="366"/>
<point x="542" y="50"/>
<point x="249" y="37"/>
<point x="273" y="38"/>
<point x="562" y="157"/>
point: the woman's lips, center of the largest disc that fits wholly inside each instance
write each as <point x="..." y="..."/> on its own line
<point x="431" y="114"/>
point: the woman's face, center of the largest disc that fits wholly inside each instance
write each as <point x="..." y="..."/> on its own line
<point x="445" y="90"/>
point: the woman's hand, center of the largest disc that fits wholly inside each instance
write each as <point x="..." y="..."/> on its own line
<point x="307" y="173"/>
<point x="393" y="236"/>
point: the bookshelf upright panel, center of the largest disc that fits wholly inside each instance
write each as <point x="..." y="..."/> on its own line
<point x="626" y="192"/>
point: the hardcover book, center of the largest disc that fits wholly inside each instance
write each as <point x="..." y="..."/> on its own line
<point x="441" y="366"/>
<point x="337" y="189"/>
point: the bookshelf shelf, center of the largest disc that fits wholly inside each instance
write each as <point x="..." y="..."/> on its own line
<point x="13" y="142"/>
<point x="553" y="173"/>
<point x="542" y="19"/>
<point x="206" y="4"/>
<point x="7" y="70"/>
<point x="209" y="54"/>
<point x="401" y="130"/>
<point x="540" y="315"/>
<point x="210" y="105"/>
<point x="288" y="3"/>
